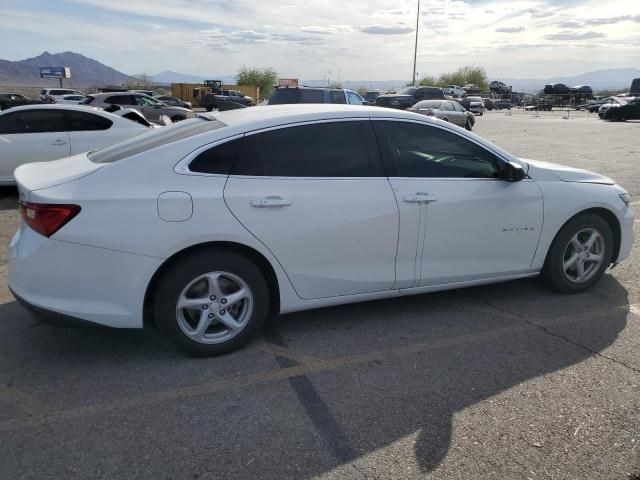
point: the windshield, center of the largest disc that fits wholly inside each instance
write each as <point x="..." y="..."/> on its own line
<point x="155" y="138"/>
<point x="408" y="91"/>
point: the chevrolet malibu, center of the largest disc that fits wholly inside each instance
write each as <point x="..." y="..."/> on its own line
<point x="207" y="227"/>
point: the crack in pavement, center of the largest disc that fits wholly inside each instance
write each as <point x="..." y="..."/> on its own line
<point x="557" y="335"/>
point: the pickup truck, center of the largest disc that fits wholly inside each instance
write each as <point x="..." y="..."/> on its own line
<point x="225" y="100"/>
<point x="408" y="97"/>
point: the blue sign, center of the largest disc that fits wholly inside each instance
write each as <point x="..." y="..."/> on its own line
<point x="55" y="72"/>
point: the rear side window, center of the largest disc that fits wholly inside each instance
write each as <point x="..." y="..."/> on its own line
<point x="119" y="100"/>
<point x="309" y="95"/>
<point x="431" y="93"/>
<point x="83" y="121"/>
<point x="283" y="96"/>
<point x="336" y="96"/>
<point x="218" y="159"/>
<point x="337" y="149"/>
<point x="32" y="121"/>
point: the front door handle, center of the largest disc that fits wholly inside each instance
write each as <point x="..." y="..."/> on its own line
<point x="59" y="141"/>
<point x="271" y="201"/>
<point x="419" y="197"/>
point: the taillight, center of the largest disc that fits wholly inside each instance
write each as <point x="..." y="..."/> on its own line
<point x="430" y="113"/>
<point x="47" y="219"/>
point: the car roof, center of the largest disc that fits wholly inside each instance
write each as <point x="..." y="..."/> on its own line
<point x="255" y="118"/>
<point x="55" y="106"/>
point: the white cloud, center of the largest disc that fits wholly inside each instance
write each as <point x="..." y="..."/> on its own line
<point x="304" y="38"/>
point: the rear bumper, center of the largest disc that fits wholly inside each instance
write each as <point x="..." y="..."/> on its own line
<point x="70" y="283"/>
<point x="53" y="318"/>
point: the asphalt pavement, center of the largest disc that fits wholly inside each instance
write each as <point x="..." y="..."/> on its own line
<point x="508" y="381"/>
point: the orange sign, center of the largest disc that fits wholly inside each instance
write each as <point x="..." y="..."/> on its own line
<point x="288" y="82"/>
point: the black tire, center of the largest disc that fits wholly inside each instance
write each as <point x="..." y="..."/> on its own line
<point x="182" y="273"/>
<point x="177" y="118"/>
<point x="209" y="109"/>
<point x="553" y="271"/>
<point x="468" y="125"/>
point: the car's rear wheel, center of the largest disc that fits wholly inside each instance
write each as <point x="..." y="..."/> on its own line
<point x="211" y="303"/>
<point x="178" y="118"/>
<point x="209" y="109"/>
<point x="468" y="125"/>
<point x="579" y="255"/>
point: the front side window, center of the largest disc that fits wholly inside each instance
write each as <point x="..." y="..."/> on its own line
<point x="447" y="106"/>
<point x="143" y="101"/>
<point x="457" y="107"/>
<point x="424" y="151"/>
<point x="32" y="121"/>
<point x="353" y="98"/>
<point x="84" y="121"/>
<point x="336" y="149"/>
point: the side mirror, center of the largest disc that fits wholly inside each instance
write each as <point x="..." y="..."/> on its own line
<point x="513" y="172"/>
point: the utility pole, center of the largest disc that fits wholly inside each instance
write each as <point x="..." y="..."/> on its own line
<point x="415" y="51"/>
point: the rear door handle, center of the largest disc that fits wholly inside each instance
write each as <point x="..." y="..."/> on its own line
<point x="419" y="197"/>
<point x="271" y="201"/>
<point x="59" y="141"/>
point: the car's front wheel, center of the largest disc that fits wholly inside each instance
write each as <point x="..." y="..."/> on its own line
<point x="579" y="255"/>
<point x="211" y="303"/>
<point x="468" y="125"/>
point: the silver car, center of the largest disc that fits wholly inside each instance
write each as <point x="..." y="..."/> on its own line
<point x="447" y="110"/>
<point x="151" y="108"/>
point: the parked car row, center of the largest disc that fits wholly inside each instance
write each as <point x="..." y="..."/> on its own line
<point x="429" y="101"/>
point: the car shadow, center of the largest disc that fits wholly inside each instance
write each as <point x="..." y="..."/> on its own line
<point x="8" y="198"/>
<point x="392" y="368"/>
<point x="518" y="331"/>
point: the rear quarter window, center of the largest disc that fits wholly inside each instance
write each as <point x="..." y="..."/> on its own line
<point x="218" y="159"/>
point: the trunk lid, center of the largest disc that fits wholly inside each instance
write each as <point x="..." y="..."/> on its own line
<point x="39" y="175"/>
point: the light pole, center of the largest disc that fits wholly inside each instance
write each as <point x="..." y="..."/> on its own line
<point x="415" y="51"/>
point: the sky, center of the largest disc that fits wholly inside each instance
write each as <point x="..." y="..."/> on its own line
<point x="371" y="39"/>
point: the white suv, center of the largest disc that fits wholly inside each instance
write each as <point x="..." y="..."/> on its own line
<point x="51" y="94"/>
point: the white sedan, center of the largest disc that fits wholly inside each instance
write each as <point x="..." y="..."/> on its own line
<point x="36" y="133"/>
<point x="209" y="226"/>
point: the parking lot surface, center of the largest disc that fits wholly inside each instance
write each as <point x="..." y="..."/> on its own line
<point x="503" y="381"/>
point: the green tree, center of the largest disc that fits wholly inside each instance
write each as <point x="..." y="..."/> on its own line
<point x="464" y="75"/>
<point x="264" y="78"/>
<point x="362" y="91"/>
<point x="427" y="81"/>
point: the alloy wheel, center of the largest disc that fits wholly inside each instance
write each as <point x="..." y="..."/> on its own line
<point x="583" y="255"/>
<point x="214" y="307"/>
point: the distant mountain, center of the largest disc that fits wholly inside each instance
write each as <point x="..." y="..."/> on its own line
<point x="167" y="77"/>
<point x="84" y="71"/>
<point x="611" y="79"/>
